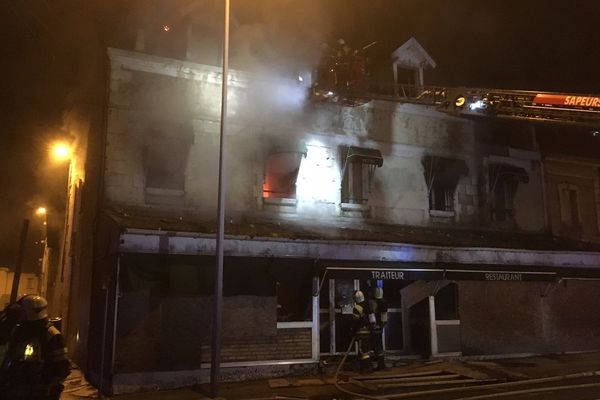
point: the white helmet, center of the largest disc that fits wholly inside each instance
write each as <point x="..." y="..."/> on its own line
<point x="33" y="308"/>
<point x="359" y="296"/>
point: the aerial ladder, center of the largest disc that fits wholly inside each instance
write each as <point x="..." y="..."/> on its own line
<point x="564" y="108"/>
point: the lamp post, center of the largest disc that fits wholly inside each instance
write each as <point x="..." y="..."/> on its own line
<point x="218" y="287"/>
<point x="42" y="212"/>
<point x="19" y="264"/>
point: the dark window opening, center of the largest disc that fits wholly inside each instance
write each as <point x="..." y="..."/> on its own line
<point x="504" y="181"/>
<point x="294" y="301"/>
<point x="441" y="197"/>
<point x="446" y="303"/>
<point x="165" y="157"/>
<point x="569" y="201"/>
<point x="441" y="177"/>
<point x="358" y="170"/>
<point x="294" y="286"/>
<point x="574" y="206"/>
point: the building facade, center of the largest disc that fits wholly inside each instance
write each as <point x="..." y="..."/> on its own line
<point x="465" y="222"/>
<point x="321" y="198"/>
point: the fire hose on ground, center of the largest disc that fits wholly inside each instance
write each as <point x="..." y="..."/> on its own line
<point x="534" y="381"/>
<point x="337" y="372"/>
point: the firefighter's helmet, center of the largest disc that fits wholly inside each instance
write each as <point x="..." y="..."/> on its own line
<point x="359" y="296"/>
<point x="33" y="308"/>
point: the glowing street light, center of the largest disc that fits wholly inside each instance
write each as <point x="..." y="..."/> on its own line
<point x="41" y="211"/>
<point x="61" y="151"/>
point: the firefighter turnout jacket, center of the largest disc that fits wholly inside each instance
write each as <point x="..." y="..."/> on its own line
<point x="35" y="363"/>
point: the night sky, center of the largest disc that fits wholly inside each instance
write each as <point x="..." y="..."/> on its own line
<point x="46" y="47"/>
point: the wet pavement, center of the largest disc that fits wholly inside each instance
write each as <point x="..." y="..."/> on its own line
<point x="443" y="379"/>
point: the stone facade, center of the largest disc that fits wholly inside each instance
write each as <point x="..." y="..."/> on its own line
<point x="153" y="94"/>
<point x="414" y="167"/>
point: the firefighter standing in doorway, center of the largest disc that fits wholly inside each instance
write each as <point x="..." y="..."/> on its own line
<point x="363" y="319"/>
<point x="379" y="308"/>
<point x="35" y="361"/>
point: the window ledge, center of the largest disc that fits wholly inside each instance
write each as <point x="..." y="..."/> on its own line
<point x="354" y="207"/>
<point x="442" y="214"/>
<point x="280" y="201"/>
<point x="165" y="192"/>
<point x="294" y="325"/>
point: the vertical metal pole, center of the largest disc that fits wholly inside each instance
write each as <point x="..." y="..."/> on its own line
<point x="433" y="327"/>
<point x="218" y="287"/>
<point x="316" y="317"/>
<point x="332" y="348"/>
<point x="19" y="265"/>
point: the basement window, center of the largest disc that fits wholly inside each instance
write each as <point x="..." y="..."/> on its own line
<point x="358" y="169"/>
<point x="441" y="177"/>
<point x="281" y="172"/>
<point x="165" y="157"/>
<point x="504" y="181"/>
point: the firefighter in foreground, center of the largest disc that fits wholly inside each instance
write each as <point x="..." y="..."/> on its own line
<point x="35" y="361"/>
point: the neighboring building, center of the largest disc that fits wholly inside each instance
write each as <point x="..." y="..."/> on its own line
<point x="29" y="283"/>
<point x="573" y="193"/>
<point x="449" y="212"/>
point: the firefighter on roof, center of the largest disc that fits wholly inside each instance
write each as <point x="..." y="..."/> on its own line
<point x="35" y="362"/>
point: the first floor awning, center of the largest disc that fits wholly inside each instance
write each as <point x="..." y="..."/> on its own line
<point x="382" y="270"/>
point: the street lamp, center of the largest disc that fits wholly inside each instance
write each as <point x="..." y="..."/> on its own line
<point x="61" y="151"/>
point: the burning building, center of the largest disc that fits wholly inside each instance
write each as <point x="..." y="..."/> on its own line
<point x="449" y="212"/>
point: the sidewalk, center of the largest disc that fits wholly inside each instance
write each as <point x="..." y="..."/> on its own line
<point x="322" y="387"/>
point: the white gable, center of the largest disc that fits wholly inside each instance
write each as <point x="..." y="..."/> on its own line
<point x="411" y="55"/>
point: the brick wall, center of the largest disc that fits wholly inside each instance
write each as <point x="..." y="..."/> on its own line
<point x="525" y="317"/>
<point x="174" y="333"/>
<point x="288" y="344"/>
<point x="499" y="318"/>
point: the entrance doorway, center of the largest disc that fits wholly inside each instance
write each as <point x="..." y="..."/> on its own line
<point x="335" y="311"/>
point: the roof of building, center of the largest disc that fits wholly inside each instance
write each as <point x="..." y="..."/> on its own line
<point x="351" y="230"/>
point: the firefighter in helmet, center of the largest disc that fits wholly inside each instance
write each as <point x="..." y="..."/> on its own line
<point x="379" y="307"/>
<point x="363" y="319"/>
<point x="35" y="362"/>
